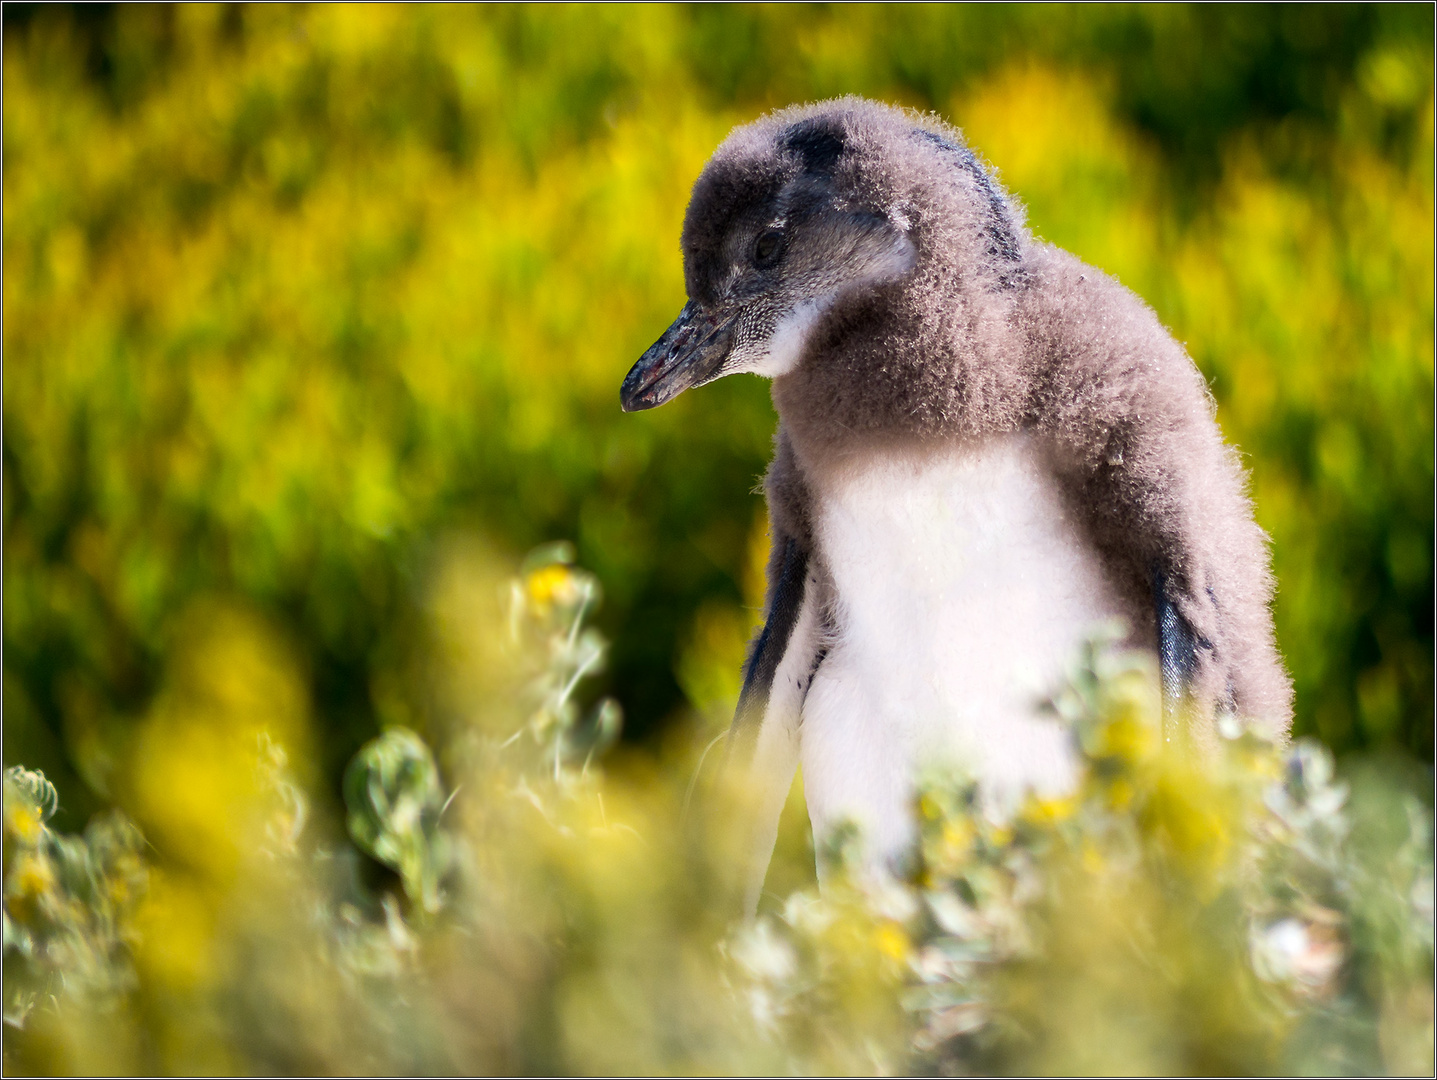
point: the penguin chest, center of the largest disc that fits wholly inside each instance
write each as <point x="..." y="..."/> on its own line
<point x="962" y="589"/>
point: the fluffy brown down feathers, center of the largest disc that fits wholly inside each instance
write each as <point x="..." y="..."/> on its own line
<point x="993" y="332"/>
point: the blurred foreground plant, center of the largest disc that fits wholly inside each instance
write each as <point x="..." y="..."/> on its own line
<point x="1184" y="909"/>
<point x="69" y="901"/>
<point x="1180" y="912"/>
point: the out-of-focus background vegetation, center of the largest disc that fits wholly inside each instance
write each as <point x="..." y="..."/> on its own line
<point x="290" y="293"/>
<point x="315" y="317"/>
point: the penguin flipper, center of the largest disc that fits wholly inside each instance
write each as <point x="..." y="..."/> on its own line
<point x="764" y="737"/>
<point x="772" y="642"/>
<point x="1179" y="648"/>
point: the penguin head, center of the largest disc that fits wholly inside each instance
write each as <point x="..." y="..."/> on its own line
<point x="800" y="221"/>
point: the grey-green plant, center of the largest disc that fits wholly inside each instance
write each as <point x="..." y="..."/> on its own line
<point x="1234" y="908"/>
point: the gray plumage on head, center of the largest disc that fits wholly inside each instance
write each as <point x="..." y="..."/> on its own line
<point x="866" y="260"/>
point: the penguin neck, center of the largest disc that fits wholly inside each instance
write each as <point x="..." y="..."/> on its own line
<point x="906" y="380"/>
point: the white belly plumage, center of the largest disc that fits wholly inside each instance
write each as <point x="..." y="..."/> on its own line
<point x="962" y="592"/>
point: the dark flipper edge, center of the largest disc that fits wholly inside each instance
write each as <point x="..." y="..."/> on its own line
<point x="772" y="642"/>
<point x="1178" y="645"/>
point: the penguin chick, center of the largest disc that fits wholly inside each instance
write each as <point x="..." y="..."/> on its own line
<point x="984" y="449"/>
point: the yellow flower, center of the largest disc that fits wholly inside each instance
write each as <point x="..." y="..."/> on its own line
<point x="1120" y="794"/>
<point x="21" y="821"/>
<point x="892" y="942"/>
<point x="33" y="877"/>
<point x="1041" y="811"/>
<point x="997" y="835"/>
<point x="957" y="838"/>
<point x="1185" y="817"/>
<point x="552" y="584"/>
<point x="1130" y="738"/>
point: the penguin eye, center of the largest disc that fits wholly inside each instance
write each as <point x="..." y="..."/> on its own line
<point x="766" y="247"/>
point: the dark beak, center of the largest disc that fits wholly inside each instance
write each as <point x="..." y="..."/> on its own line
<point x="689" y="354"/>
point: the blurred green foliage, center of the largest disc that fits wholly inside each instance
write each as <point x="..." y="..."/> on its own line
<point x="292" y="295"/>
<point x="1237" y="912"/>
